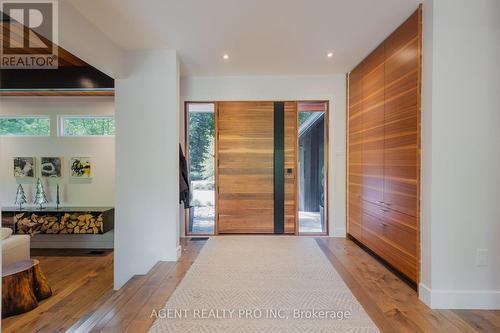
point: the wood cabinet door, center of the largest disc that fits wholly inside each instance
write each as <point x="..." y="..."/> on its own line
<point x="355" y="174"/>
<point x="384" y="149"/>
<point x="245" y="167"/>
<point x="401" y="152"/>
<point x="373" y="126"/>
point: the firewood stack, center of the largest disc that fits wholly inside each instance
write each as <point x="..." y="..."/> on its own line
<point x="81" y="224"/>
<point x="70" y="223"/>
<point x="37" y="224"/>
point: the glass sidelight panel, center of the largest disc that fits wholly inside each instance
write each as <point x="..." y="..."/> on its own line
<point x="312" y="171"/>
<point x="200" y="119"/>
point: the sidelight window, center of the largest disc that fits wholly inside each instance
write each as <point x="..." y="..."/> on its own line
<point x="312" y="173"/>
<point x="200" y="120"/>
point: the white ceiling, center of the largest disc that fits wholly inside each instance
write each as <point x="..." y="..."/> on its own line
<point x="262" y="37"/>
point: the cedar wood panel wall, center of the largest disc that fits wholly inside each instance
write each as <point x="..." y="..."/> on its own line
<point x="384" y="149"/>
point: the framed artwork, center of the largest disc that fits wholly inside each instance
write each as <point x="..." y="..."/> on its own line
<point x="81" y="167"/>
<point x="24" y="167"/>
<point x="51" y="166"/>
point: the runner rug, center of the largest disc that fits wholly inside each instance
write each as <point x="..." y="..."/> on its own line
<point x="262" y="284"/>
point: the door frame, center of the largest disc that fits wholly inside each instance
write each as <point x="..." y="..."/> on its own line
<point x="216" y="163"/>
<point x="327" y="167"/>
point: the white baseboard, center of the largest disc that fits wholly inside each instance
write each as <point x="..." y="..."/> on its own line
<point x="172" y="255"/>
<point x="179" y="252"/>
<point x="338" y="232"/>
<point x="424" y="294"/>
<point x="459" y="299"/>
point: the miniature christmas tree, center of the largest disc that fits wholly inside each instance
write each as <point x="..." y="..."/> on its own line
<point x="40" y="197"/>
<point x="20" y="197"/>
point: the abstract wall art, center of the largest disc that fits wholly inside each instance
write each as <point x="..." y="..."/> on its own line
<point x="24" y="167"/>
<point x="81" y="167"/>
<point x="51" y="166"/>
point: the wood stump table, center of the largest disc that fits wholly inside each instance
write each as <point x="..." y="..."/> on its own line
<point x="23" y="285"/>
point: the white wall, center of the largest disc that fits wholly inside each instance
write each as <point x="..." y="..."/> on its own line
<point x="461" y="154"/>
<point x="276" y="88"/>
<point x="147" y="156"/>
<point x="99" y="191"/>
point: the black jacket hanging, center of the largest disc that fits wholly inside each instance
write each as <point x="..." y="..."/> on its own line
<point x="184" y="192"/>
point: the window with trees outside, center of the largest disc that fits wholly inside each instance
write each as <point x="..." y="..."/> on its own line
<point x="25" y="125"/>
<point x="86" y="125"/>
<point x="201" y="160"/>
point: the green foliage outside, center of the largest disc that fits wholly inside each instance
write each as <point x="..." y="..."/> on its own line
<point x="89" y="126"/>
<point x="209" y="160"/>
<point x="303" y="116"/>
<point x="201" y="145"/>
<point x="25" y="126"/>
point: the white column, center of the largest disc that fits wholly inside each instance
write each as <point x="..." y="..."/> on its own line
<point x="147" y="175"/>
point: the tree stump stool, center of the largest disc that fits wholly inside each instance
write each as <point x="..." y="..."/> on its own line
<point x="23" y="285"/>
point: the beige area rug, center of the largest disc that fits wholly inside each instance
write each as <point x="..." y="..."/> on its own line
<point x="262" y="284"/>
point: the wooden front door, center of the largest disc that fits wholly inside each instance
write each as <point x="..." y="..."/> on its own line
<point x="246" y="168"/>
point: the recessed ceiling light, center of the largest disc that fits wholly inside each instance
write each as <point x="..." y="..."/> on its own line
<point x="225" y="56"/>
<point x="330" y="54"/>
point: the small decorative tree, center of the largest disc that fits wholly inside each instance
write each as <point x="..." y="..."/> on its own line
<point x="40" y="197"/>
<point x="20" y="197"/>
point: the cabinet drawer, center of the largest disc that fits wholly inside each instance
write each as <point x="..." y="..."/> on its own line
<point x="386" y="213"/>
<point x="399" y="235"/>
<point x="386" y="248"/>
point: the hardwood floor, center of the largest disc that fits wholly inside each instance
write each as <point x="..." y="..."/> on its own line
<point x="391" y="303"/>
<point x="84" y="301"/>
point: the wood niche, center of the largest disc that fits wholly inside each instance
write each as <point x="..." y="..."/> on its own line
<point x="384" y="149"/>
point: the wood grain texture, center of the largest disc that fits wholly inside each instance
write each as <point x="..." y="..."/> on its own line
<point x="291" y="134"/>
<point x="384" y="148"/>
<point x="84" y="301"/>
<point x="78" y="284"/>
<point x="391" y="303"/>
<point x="245" y="167"/>
<point x="18" y="38"/>
<point x="23" y="285"/>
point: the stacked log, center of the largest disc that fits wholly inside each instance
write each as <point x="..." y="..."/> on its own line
<point x="37" y="224"/>
<point x="70" y="223"/>
<point x="78" y="223"/>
